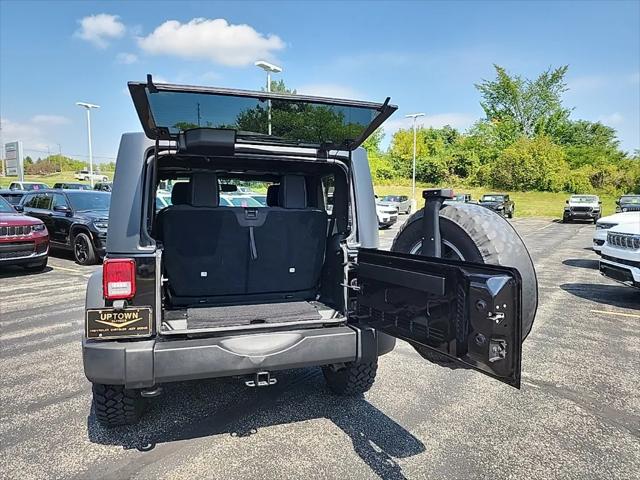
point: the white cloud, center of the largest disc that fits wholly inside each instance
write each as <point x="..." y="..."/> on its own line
<point x="100" y="29"/>
<point x="37" y="133"/>
<point x="211" y="39"/>
<point x="126" y="58"/>
<point x="329" y="90"/>
<point x="614" y="118"/>
<point x="50" y="120"/>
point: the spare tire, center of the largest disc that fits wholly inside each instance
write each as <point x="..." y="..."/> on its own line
<point x="473" y="233"/>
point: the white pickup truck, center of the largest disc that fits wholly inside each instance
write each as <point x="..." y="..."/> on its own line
<point x="86" y="176"/>
<point x="621" y="254"/>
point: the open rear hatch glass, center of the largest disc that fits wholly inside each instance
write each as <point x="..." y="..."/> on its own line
<point x="165" y="110"/>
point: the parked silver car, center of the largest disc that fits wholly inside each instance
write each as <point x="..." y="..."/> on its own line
<point x="401" y="202"/>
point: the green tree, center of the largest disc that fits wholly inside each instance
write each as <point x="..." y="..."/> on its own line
<point x="530" y="164"/>
<point x="529" y="104"/>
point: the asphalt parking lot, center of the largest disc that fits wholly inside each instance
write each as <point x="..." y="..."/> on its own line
<point x="576" y="416"/>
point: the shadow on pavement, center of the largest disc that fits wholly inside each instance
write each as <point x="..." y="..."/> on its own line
<point x="16" y="271"/>
<point x="582" y="263"/>
<point x="614" y="295"/>
<point x="208" y="408"/>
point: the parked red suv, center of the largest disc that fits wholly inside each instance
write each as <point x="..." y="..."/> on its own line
<point x="23" y="240"/>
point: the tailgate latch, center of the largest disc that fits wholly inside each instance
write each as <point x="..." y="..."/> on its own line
<point x="497" y="350"/>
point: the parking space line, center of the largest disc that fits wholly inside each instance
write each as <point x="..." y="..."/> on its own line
<point x="55" y="267"/>
<point x="546" y="226"/>
<point x="622" y="314"/>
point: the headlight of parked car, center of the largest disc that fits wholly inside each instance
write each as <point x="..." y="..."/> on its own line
<point x="38" y="228"/>
<point x="500" y="207"/>
<point x="101" y="224"/>
<point x="605" y="226"/>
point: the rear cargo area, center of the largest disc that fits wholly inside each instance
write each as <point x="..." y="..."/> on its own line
<point x="236" y="267"/>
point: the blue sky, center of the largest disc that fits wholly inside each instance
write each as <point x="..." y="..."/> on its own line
<point x="425" y="55"/>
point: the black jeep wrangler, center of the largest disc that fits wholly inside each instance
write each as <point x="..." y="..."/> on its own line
<point x="204" y="289"/>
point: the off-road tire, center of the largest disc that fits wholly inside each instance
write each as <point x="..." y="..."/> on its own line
<point x="90" y="257"/>
<point x="115" y="405"/>
<point x="37" y="267"/>
<point x="482" y="236"/>
<point x="354" y="379"/>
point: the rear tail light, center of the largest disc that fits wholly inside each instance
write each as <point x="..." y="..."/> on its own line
<point x="118" y="278"/>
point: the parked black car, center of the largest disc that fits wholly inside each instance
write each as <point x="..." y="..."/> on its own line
<point x="626" y="203"/>
<point x="71" y="186"/>
<point x="500" y="203"/>
<point x="14" y="197"/>
<point x="103" y="186"/>
<point x="77" y="220"/>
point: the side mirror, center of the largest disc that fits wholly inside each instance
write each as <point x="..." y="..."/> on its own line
<point x="617" y="202"/>
<point x="62" y="209"/>
<point x="18" y="208"/>
<point x="567" y="202"/>
<point x="600" y="202"/>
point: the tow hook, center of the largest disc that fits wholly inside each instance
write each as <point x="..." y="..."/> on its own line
<point x="151" y="392"/>
<point x="261" y="379"/>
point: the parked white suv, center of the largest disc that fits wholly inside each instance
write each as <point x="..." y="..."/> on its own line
<point x="621" y="254"/>
<point x="86" y="176"/>
<point x="605" y="223"/>
<point x="582" y="207"/>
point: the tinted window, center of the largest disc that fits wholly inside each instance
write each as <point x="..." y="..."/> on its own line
<point x="5" y="207"/>
<point x="43" y="201"/>
<point x="59" y="200"/>
<point x="295" y="122"/>
<point x="12" y="198"/>
<point x="30" y="201"/>
<point x="89" y="200"/>
<point x="630" y="199"/>
<point x="34" y="186"/>
<point x="492" y="198"/>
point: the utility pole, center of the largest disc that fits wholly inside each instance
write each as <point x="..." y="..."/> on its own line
<point x="269" y="68"/>
<point x="60" y="156"/>
<point x="88" y="107"/>
<point x="413" y="181"/>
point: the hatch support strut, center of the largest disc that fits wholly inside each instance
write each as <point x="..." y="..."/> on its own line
<point x="433" y="200"/>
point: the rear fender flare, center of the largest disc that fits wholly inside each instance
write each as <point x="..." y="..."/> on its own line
<point x="94" y="298"/>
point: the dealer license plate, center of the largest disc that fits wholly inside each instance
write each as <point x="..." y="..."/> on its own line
<point x="107" y="323"/>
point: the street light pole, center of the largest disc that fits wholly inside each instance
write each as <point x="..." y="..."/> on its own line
<point x="413" y="182"/>
<point x="269" y="68"/>
<point x="88" y="107"/>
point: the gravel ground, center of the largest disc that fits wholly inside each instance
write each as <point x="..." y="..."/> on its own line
<point x="576" y="416"/>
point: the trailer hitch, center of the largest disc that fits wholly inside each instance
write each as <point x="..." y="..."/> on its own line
<point x="261" y="379"/>
<point x="433" y="200"/>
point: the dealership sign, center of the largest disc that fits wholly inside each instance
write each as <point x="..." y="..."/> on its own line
<point x="14" y="158"/>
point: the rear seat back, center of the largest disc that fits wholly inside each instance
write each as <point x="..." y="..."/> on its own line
<point x="203" y="249"/>
<point x="290" y="243"/>
<point x="212" y="252"/>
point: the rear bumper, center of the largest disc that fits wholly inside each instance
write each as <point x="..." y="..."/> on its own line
<point x="388" y="222"/>
<point x="138" y="364"/>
